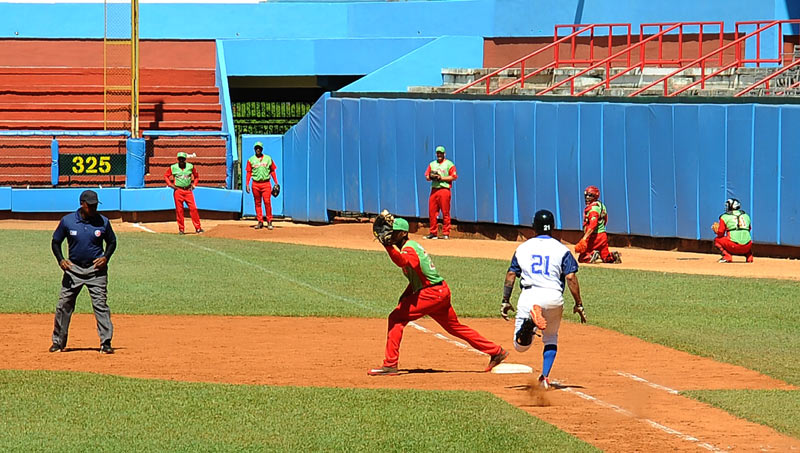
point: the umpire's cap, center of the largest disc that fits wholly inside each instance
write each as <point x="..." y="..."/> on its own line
<point x="89" y="197"/>
<point x="543" y="222"/>
<point x="400" y="224"/>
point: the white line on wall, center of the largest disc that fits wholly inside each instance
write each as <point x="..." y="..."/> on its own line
<point x="645" y="381"/>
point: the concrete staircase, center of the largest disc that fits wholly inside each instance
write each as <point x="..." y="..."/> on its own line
<point x="728" y="83"/>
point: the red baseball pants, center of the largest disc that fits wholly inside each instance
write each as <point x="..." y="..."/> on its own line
<point x="599" y="242"/>
<point x="262" y="190"/>
<point x="439" y="200"/>
<point x="181" y="196"/>
<point x="728" y="248"/>
<point x="433" y="301"/>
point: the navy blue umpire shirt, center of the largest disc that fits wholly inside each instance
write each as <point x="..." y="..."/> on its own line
<point x="85" y="238"/>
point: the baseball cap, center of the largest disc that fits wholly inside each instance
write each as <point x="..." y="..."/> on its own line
<point x="258" y="145"/>
<point x="440" y="149"/>
<point x="182" y="154"/>
<point x="89" y="197"/>
<point x="400" y="224"/>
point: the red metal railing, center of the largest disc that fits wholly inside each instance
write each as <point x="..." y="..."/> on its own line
<point x="607" y="63"/>
<point x="521" y="61"/>
<point x="766" y="80"/>
<point x="660" y="61"/>
<point x="702" y="62"/>
<point x="573" y="60"/>
<point x="740" y="50"/>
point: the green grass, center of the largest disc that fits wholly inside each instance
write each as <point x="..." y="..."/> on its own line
<point x="57" y="411"/>
<point x="775" y="408"/>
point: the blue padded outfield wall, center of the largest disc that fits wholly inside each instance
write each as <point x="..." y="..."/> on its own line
<point x="664" y="170"/>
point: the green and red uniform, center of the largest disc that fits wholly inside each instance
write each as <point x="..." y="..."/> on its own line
<point x="439" y="199"/>
<point x="738" y="240"/>
<point x="183" y="179"/>
<point x="427" y="294"/>
<point x="260" y="170"/>
<point x="595" y="218"/>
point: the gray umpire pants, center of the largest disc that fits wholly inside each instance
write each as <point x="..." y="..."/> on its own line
<point x="96" y="282"/>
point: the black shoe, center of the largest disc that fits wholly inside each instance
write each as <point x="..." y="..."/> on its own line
<point x="445" y="237"/>
<point x="106" y="348"/>
<point x="430" y="236"/>
<point x="181" y="232"/>
<point x="56" y="348"/>
<point x="199" y="231"/>
<point x="260" y="225"/>
<point x="269" y="225"/>
<point x="525" y="334"/>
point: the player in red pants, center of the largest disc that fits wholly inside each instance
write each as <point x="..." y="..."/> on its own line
<point x="441" y="173"/>
<point x="733" y="233"/>
<point x="182" y="178"/>
<point x="261" y="167"/>
<point x="593" y="246"/>
<point x="426" y="294"/>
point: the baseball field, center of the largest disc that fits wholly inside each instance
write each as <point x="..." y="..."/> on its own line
<point x="244" y="340"/>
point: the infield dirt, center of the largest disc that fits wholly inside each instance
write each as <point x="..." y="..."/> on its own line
<point x="600" y="402"/>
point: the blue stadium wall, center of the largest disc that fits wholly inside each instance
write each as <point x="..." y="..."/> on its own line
<point x="664" y="169"/>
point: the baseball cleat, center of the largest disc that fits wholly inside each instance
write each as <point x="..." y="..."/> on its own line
<point x="595" y="257"/>
<point x="181" y="232"/>
<point x="56" y="348"/>
<point x="259" y="225"/>
<point x="445" y="237"/>
<point x="617" y="257"/>
<point x="496" y="359"/>
<point x="723" y="260"/>
<point x="269" y="225"/>
<point x="106" y="348"/>
<point x="544" y="382"/>
<point x="430" y="236"/>
<point x="383" y="371"/>
<point x="199" y="231"/>
<point x="525" y="333"/>
<point x="538" y="318"/>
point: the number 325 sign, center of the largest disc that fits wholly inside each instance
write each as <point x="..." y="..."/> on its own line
<point x="91" y="164"/>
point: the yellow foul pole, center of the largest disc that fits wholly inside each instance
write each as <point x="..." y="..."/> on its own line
<point x="135" y="68"/>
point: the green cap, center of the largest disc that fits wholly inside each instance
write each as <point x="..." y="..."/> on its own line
<point x="258" y="145"/>
<point x="182" y="154"/>
<point x="400" y="224"/>
<point x="440" y="149"/>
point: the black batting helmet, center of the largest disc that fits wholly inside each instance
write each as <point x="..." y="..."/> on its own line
<point x="543" y="222"/>
<point x="732" y="204"/>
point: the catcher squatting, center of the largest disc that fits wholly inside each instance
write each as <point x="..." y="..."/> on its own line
<point x="542" y="263"/>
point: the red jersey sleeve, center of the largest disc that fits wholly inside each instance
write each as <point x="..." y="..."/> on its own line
<point x="249" y="171"/>
<point x="272" y="169"/>
<point x="428" y="172"/>
<point x="452" y="173"/>
<point x="168" y="176"/>
<point x="195" y="176"/>
<point x="407" y="258"/>
<point x="722" y="228"/>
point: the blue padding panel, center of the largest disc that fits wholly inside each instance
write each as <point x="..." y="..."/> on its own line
<point x="686" y="135"/>
<point x="465" y="126"/>
<point x="443" y="136"/>
<point x="790" y="168"/>
<point x="386" y="150"/>
<point x="614" y="193"/>
<point x="740" y="141"/>
<point x="766" y="146"/>
<point x="590" y="153"/>
<point x="135" y="155"/>
<point x="351" y="141"/>
<point x="212" y="199"/>
<point x="531" y="188"/>
<point x="369" y="155"/>
<point x="408" y="170"/>
<point x="711" y="119"/>
<point x="152" y="199"/>
<point x="637" y="160"/>
<point x="289" y="169"/>
<point x="317" y="211"/>
<point x="5" y="198"/>
<point x="424" y="152"/>
<point x="333" y="155"/>
<point x="61" y="200"/>
<point x="570" y="196"/>
<point x="296" y="199"/>
<point x="485" y="184"/>
<point x="505" y="168"/>
<point x="662" y="172"/>
<point x="273" y="147"/>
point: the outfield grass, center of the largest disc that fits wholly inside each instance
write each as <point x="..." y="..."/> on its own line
<point x="108" y="413"/>
<point x="775" y="408"/>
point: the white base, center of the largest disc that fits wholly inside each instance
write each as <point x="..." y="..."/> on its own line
<point x="512" y="368"/>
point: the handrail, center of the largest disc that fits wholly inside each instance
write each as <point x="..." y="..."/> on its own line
<point x="758" y="60"/>
<point x="573" y="45"/>
<point x="488" y="77"/>
<point x="767" y="79"/>
<point x="660" y="62"/>
<point x="606" y="62"/>
<point x="702" y="59"/>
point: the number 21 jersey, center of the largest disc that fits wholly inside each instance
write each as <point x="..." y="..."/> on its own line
<point x="542" y="263"/>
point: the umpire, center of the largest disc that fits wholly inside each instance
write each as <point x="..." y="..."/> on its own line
<point x="85" y="231"/>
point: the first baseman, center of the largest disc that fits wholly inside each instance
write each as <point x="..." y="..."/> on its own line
<point x="87" y="265"/>
<point x="543" y="265"/>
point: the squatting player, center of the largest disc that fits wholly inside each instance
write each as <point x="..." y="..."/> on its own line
<point x="733" y="233"/>
<point x="426" y="294"/>
<point x="593" y="246"/>
<point x="543" y="263"/>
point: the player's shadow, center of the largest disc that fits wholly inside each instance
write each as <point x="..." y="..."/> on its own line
<point x="433" y="371"/>
<point x="67" y="350"/>
<point x="535" y="386"/>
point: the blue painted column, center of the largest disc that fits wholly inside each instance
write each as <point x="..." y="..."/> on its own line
<point x="54" y="162"/>
<point x="134" y="163"/>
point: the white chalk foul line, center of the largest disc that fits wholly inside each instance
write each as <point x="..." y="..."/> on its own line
<point x="447" y="339"/>
<point x="652" y="423"/>
<point x="645" y="381"/>
<point x="142" y="227"/>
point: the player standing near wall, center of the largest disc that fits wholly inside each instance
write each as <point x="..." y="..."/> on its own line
<point x="87" y="265"/>
<point x="593" y="246"/>
<point x="182" y="178"/>
<point x="260" y="168"/>
<point x="441" y="173"/>
<point x="543" y="264"/>
<point x="736" y="223"/>
<point x="427" y="294"/>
